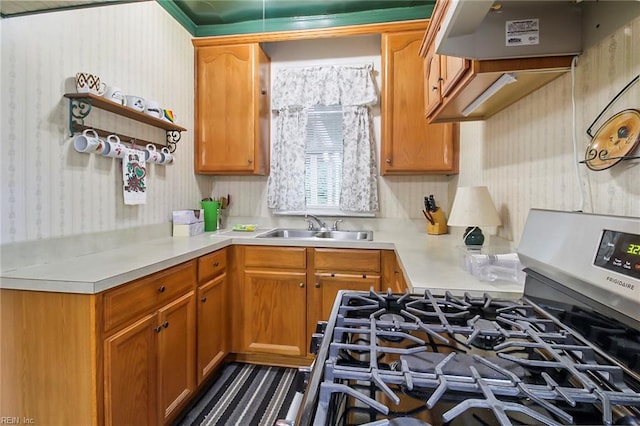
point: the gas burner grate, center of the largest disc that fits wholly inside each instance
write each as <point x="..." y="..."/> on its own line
<point x="390" y="343"/>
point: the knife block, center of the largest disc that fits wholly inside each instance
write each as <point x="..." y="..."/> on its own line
<point x="440" y="223"/>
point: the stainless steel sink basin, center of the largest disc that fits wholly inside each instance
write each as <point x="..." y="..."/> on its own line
<point x="346" y="235"/>
<point x="313" y="235"/>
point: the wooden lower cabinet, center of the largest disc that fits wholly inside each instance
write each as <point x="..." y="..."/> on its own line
<point x="275" y="312"/>
<point x="140" y="363"/>
<point x="212" y="326"/>
<point x="212" y="313"/>
<point x="149" y="366"/>
<point x="48" y="351"/>
<point x="328" y="284"/>
<point x="176" y="355"/>
<point x="130" y="374"/>
<point x="287" y="290"/>
<point x="392" y="275"/>
<point x="339" y="269"/>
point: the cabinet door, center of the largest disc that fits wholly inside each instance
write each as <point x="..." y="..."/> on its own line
<point x="275" y="312"/>
<point x="212" y="325"/>
<point x="452" y="69"/>
<point x="432" y="87"/>
<point x="409" y="144"/>
<point x="392" y="276"/>
<point x="176" y="354"/>
<point x="327" y="285"/>
<point x="229" y="136"/>
<point x="130" y="375"/>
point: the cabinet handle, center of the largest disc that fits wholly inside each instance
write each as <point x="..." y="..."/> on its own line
<point x="204" y="299"/>
<point x="158" y="329"/>
<point x="162" y="289"/>
<point x="216" y="264"/>
<point x="165" y="324"/>
<point x="364" y="275"/>
<point x="263" y="91"/>
<point x="388" y="161"/>
<point x="317" y="285"/>
<point x="434" y="88"/>
<point x="249" y="161"/>
<point x="301" y="285"/>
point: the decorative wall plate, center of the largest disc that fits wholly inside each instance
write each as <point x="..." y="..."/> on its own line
<point x="614" y="140"/>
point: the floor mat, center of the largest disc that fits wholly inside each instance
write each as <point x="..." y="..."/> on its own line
<point x="244" y="394"/>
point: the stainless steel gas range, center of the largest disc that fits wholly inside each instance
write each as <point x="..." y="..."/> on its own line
<point x="567" y="352"/>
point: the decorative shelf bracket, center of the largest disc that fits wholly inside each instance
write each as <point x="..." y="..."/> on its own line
<point x="173" y="137"/>
<point x="79" y="110"/>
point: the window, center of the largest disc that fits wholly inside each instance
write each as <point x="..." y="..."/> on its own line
<point x="323" y="157"/>
<point x="323" y="153"/>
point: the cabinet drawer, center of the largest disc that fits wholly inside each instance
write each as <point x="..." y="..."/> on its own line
<point x="347" y="260"/>
<point x="211" y="265"/>
<point x="131" y="300"/>
<point x="275" y="257"/>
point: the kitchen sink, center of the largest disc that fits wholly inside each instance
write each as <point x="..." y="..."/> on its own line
<point x="324" y="235"/>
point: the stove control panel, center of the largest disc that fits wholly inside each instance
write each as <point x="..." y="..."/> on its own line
<point x="619" y="252"/>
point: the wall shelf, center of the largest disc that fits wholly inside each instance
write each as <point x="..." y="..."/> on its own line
<point x="80" y="105"/>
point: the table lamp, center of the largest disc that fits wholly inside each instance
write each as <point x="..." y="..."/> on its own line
<point x="473" y="207"/>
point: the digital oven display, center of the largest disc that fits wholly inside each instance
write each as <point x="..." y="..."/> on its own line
<point x="619" y="252"/>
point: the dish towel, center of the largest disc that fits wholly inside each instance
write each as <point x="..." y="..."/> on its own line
<point x="133" y="176"/>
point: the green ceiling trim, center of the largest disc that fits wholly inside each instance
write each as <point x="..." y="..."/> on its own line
<point x="179" y="15"/>
<point x="298" y="23"/>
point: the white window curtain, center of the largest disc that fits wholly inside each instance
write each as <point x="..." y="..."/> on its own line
<point x="294" y="91"/>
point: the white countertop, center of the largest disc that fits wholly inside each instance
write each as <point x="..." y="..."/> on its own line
<point x="431" y="262"/>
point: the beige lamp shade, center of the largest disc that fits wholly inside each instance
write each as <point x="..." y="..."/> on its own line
<point x="473" y="206"/>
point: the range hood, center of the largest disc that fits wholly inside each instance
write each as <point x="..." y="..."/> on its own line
<point x="488" y="29"/>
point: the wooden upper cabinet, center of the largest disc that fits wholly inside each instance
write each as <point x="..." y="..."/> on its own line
<point x="452" y="69"/>
<point x="432" y="88"/>
<point x="232" y="110"/>
<point x="409" y="144"/>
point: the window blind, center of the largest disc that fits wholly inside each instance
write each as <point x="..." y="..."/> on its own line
<point x="323" y="156"/>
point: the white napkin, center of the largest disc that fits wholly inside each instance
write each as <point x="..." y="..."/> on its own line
<point x="133" y="177"/>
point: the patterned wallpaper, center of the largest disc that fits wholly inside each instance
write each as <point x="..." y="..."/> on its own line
<point x="49" y="189"/>
<point x="524" y="154"/>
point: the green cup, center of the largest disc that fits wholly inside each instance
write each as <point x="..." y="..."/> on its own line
<point x="210" y="214"/>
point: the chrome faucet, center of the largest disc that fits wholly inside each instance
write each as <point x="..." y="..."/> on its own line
<point x="321" y="225"/>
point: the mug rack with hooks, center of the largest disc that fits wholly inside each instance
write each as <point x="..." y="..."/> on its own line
<point x="81" y="104"/>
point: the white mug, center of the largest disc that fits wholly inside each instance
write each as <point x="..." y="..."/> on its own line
<point x="151" y="155"/>
<point x="135" y="102"/>
<point x="89" y="83"/>
<point x="88" y="142"/>
<point x="113" y="147"/>
<point x="167" y="157"/>
<point x="169" y="115"/>
<point x="153" y="109"/>
<point x="114" y="94"/>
